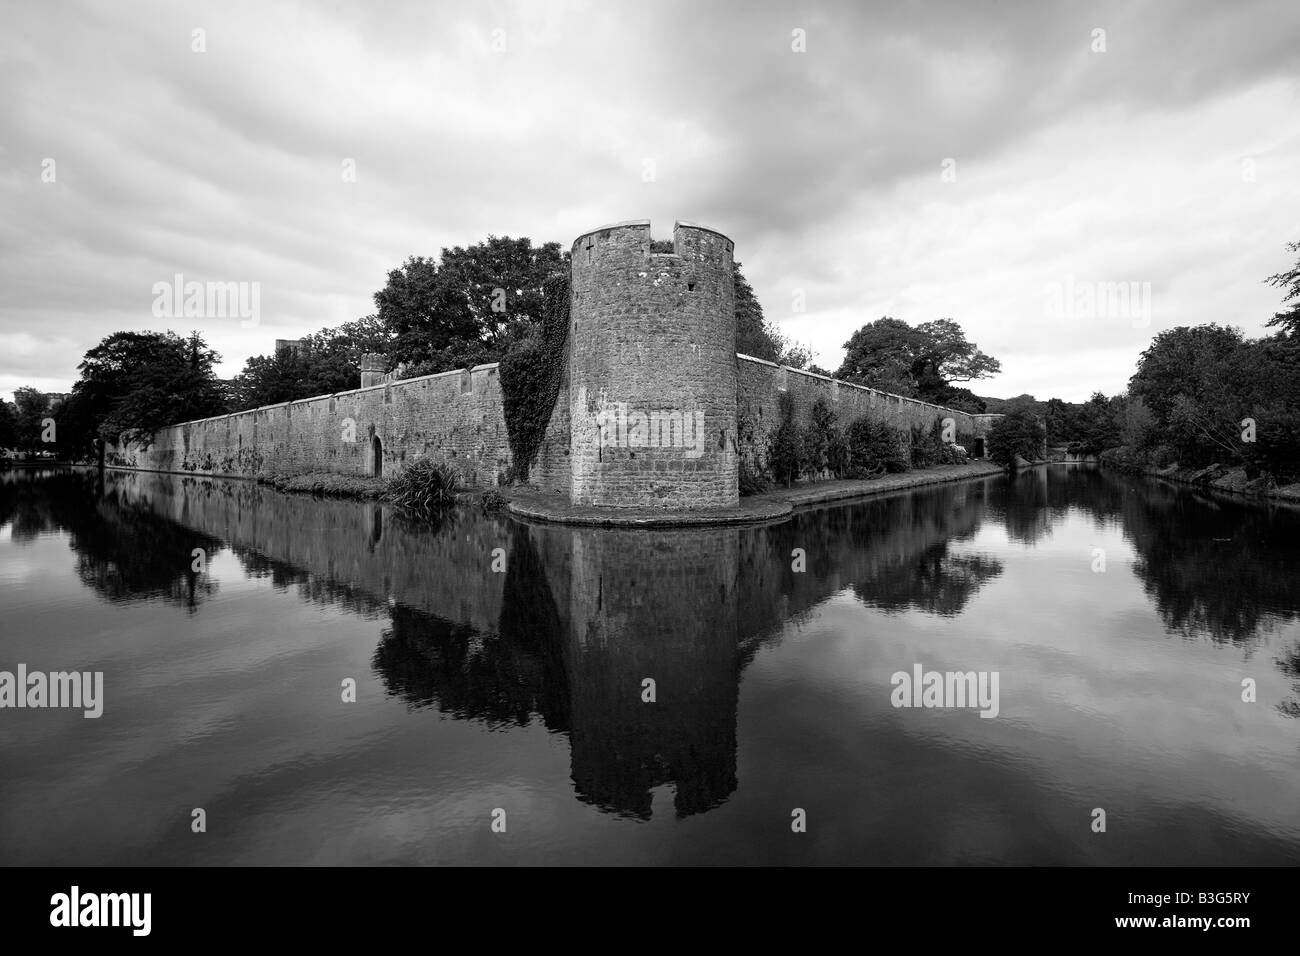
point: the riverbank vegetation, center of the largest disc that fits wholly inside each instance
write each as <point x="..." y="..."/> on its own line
<point x="423" y="487"/>
<point x="325" y="483"/>
<point x="1213" y="406"/>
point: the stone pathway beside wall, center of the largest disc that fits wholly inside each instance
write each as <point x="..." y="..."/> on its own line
<point x="772" y="506"/>
<point x="823" y="491"/>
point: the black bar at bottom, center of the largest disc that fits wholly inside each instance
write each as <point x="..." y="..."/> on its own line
<point x="332" y="906"/>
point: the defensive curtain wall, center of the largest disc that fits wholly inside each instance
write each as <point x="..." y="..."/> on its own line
<point x="655" y="406"/>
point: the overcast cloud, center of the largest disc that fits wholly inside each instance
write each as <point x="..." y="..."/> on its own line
<point x="1172" y="158"/>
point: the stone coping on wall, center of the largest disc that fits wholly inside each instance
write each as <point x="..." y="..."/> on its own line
<point x="863" y="388"/>
<point x="773" y="506"/>
<point x="536" y="506"/>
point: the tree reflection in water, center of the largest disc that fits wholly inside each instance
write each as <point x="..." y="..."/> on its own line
<point x="581" y="618"/>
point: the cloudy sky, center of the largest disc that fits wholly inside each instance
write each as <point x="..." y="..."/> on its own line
<point x="981" y="161"/>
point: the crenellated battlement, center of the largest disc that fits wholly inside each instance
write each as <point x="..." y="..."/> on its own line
<point x="628" y="244"/>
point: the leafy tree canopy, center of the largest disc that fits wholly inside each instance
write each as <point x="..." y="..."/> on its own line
<point x="138" y="382"/>
<point x="8" y="425"/>
<point x="917" y="361"/>
<point x="31" y="407"/>
<point x="1018" y="434"/>
<point x="758" y="336"/>
<point x="1288" y="320"/>
<point x="468" y="306"/>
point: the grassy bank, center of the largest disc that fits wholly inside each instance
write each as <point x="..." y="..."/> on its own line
<point x="325" y="483"/>
<point x="365" y="488"/>
<point x="818" y="492"/>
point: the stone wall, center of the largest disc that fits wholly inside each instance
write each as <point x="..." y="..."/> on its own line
<point x="454" y="417"/>
<point x="760" y="385"/>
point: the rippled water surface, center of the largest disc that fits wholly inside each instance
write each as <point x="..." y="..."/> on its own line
<point x="521" y="689"/>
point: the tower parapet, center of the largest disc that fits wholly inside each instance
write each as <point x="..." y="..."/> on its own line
<point x="652" y="369"/>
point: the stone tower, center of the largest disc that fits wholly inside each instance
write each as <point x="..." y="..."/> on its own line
<point x="652" y="369"/>
<point x="372" y="369"/>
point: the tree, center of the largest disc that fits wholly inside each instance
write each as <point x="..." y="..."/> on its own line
<point x="1089" y="428"/>
<point x="355" y="338"/>
<point x="1019" y="433"/>
<point x="8" y="425"/>
<point x="918" y="362"/>
<point x="32" y="407"/>
<point x="875" y="448"/>
<point x="1273" y="403"/>
<point x="1289" y="319"/>
<point x="1002" y="406"/>
<point x="133" y="383"/>
<point x="947" y="356"/>
<point x="785" y="448"/>
<point x="466" y="308"/>
<point x="1136" y="423"/>
<point x="795" y="356"/>
<point x="77" y="429"/>
<point x="880" y="355"/>
<point x="755" y="335"/>
<point x="291" y="374"/>
<point x="1194" y="382"/>
<point x="1060" y="418"/>
<point x="420" y="307"/>
<point x="1097" y="425"/>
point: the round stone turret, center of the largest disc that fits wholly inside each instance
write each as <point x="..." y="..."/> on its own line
<point x="652" y="369"/>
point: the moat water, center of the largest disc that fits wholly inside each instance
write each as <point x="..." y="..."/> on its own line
<point x="500" y="675"/>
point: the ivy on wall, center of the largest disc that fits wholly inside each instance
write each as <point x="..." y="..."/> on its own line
<point x="531" y="373"/>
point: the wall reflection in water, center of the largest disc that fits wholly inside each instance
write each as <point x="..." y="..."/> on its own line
<point x="568" y="634"/>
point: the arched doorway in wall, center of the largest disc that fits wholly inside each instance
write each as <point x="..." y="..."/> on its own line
<point x="979" y="448"/>
<point x="377" y="468"/>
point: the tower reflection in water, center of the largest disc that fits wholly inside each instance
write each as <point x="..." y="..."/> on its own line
<point x="568" y="634"/>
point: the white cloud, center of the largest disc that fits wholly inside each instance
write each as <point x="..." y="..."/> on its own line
<point x="823" y="166"/>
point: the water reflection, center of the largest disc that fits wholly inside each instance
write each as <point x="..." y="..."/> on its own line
<point x="581" y="619"/>
<point x="126" y="550"/>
